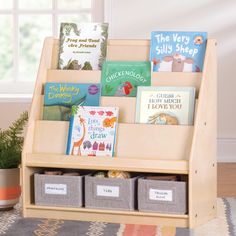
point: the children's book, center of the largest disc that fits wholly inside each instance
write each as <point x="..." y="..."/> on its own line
<point x="59" y="98"/>
<point x="92" y="131"/>
<point x="121" y="78"/>
<point x="165" y="105"/>
<point x="178" y="51"/>
<point x="82" y="46"/>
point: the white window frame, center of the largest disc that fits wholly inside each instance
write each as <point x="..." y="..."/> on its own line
<point x="17" y="90"/>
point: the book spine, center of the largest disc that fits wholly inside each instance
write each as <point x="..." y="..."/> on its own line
<point x="70" y="135"/>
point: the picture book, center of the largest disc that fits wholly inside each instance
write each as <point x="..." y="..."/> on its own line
<point x="165" y="105"/>
<point x="82" y="46"/>
<point x="92" y="131"/>
<point x="121" y="78"/>
<point x="178" y="51"/>
<point x="59" y="98"/>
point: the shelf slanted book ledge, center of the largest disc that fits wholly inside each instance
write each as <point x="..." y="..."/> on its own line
<point x="178" y="149"/>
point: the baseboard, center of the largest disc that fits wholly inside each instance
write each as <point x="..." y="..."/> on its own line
<point x="226" y="149"/>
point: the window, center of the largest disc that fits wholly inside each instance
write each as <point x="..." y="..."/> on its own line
<point x="24" y="24"/>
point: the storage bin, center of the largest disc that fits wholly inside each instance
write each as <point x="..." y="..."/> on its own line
<point x="58" y="190"/>
<point x="162" y="196"/>
<point x="110" y="193"/>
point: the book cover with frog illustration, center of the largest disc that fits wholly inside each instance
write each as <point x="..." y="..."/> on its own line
<point x="178" y="51"/>
<point x="82" y="46"/>
<point x="165" y="105"/>
<point x="59" y="98"/>
<point x="92" y="131"/>
<point x="121" y="78"/>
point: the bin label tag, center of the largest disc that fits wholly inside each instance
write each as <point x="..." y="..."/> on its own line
<point x="160" y="195"/>
<point x="56" y="189"/>
<point x="108" y="191"/>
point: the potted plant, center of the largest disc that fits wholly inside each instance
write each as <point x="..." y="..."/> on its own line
<point x="11" y="142"/>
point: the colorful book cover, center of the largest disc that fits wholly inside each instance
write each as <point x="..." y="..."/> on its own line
<point x="178" y="51"/>
<point x="92" y="131"/>
<point x="121" y="78"/>
<point x="165" y="105"/>
<point x="82" y="46"/>
<point x="60" y="97"/>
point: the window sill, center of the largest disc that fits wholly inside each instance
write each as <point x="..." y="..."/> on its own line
<point x="16" y="98"/>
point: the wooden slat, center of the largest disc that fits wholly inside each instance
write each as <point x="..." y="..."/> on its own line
<point x="177" y="79"/>
<point x="107" y="163"/>
<point x="123" y="217"/>
<point x="141" y="141"/>
<point x="158" y="78"/>
<point x="74" y="76"/>
<point x="126" y="106"/>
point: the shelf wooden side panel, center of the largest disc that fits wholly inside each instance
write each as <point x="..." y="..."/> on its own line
<point x="133" y="140"/>
<point x="122" y="217"/>
<point x="107" y="163"/>
<point x="202" y="177"/>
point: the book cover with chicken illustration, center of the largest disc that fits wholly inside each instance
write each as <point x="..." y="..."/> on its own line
<point x="178" y="51"/>
<point x="60" y="97"/>
<point x="121" y="78"/>
<point x="92" y="131"/>
<point x="165" y="105"/>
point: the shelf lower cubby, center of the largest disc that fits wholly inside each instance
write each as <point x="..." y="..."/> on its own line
<point x="107" y="163"/>
<point x="110" y="216"/>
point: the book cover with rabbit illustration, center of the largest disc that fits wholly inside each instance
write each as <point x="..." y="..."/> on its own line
<point x="178" y="51"/>
<point x="60" y="97"/>
<point x="82" y="46"/>
<point x="165" y="105"/>
<point x="92" y="131"/>
<point x="121" y="78"/>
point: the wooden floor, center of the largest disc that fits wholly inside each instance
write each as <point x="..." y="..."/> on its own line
<point x="226" y="182"/>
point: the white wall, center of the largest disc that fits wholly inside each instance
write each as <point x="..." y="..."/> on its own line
<point x="135" y="19"/>
<point x="10" y="111"/>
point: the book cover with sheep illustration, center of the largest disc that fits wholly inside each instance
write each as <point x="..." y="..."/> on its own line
<point x="82" y="46"/>
<point x="60" y="97"/>
<point x="178" y="51"/>
<point x="165" y="105"/>
<point x="92" y="131"/>
<point x="121" y="78"/>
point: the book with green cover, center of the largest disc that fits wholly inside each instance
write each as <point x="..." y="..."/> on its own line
<point x="165" y="105"/>
<point x="82" y="46"/>
<point x="121" y="78"/>
<point x="60" y="97"/>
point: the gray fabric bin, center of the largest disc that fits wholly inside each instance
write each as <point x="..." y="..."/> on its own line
<point x="58" y="190"/>
<point x="110" y="193"/>
<point x="162" y="196"/>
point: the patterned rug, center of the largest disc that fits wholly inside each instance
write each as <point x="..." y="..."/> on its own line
<point x="12" y="224"/>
